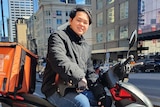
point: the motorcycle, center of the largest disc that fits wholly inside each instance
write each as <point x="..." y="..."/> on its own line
<point x="123" y="93"/>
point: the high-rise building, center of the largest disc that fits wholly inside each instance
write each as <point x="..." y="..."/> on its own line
<point x="114" y="21"/>
<point x="18" y="9"/>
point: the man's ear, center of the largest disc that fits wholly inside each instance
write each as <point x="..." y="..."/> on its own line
<point x="70" y="20"/>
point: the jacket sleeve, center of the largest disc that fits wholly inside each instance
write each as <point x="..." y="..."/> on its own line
<point x="93" y="82"/>
<point x="91" y="75"/>
<point x="62" y="60"/>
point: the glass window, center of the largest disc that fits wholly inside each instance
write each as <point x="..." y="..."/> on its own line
<point x="59" y="21"/>
<point x="110" y="35"/>
<point x="59" y="13"/>
<point x="47" y="13"/>
<point x="48" y="30"/>
<point x="99" y="37"/>
<point x="99" y="4"/>
<point x="67" y="13"/>
<point x="110" y="1"/>
<point x="123" y="32"/>
<point x="99" y="19"/>
<point x="110" y="18"/>
<point x="48" y="21"/>
<point x="124" y="10"/>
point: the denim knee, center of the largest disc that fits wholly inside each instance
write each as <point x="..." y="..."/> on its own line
<point x="82" y="100"/>
<point x="69" y="100"/>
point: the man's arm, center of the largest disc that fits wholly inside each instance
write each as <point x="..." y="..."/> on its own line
<point x="62" y="63"/>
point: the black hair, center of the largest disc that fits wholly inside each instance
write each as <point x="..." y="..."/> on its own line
<point x="75" y="10"/>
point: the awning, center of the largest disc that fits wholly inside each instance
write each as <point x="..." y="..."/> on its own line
<point x="99" y="51"/>
<point x="119" y="49"/>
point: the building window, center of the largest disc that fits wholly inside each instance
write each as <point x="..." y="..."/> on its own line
<point x="99" y="4"/>
<point x="67" y="13"/>
<point x="124" y="10"/>
<point x="100" y="19"/>
<point x="110" y="35"/>
<point x="59" y="13"/>
<point x="59" y="21"/>
<point x="48" y="21"/>
<point x="110" y="1"/>
<point x="99" y="37"/>
<point x="48" y="30"/>
<point x="110" y="13"/>
<point x="123" y="32"/>
<point x="47" y="13"/>
<point x="88" y="2"/>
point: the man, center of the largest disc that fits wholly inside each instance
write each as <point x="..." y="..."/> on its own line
<point x="69" y="78"/>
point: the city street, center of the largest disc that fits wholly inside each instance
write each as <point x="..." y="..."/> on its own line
<point x="149" y="83"/>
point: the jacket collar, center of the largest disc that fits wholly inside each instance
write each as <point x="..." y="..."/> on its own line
<point x="73" y="36"/>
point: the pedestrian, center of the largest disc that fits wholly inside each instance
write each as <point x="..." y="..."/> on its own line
<point x="69" y="79"/>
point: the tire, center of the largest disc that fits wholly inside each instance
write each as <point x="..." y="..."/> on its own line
<point x="157" y="69"/>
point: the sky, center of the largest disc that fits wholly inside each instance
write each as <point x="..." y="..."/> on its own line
<point x="5" y="8"/>
<point x="80" y="1"/>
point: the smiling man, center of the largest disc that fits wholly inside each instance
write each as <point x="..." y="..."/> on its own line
<point x="69" y="78"/>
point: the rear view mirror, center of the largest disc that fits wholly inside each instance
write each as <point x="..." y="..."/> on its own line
<point x="133" y="39"/>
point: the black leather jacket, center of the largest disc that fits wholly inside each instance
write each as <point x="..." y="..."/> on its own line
<point x="70" y="56"/>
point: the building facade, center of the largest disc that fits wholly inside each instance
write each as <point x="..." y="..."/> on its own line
<point x="148" y="27"/>
<point x="31" y="40"/>
<point x="113" y="23"/>
<point x="18" y="9"/>
<point x="21" y="34"/>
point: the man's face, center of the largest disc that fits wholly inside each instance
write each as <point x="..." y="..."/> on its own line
<point x="80" y="23"/>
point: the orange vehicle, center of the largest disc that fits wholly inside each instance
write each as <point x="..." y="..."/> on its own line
<point x="18" y="77"/>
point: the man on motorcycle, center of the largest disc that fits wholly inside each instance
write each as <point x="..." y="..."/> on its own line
<point x="69" y="79"/>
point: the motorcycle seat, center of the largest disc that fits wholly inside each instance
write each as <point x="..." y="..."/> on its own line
<point x="42" y="102"/>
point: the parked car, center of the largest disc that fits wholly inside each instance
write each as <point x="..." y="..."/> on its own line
<point x="105" y="66"/>
<point x="157" y="66"/>
<point x="149" y="65"/>
<point x="102" y="67"/>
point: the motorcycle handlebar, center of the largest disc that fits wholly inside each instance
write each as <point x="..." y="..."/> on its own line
<point x="130" y="58"/>
<point x="137" y="63"/>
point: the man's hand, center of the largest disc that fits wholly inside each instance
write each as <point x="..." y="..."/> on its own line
<point x="102" y="101"/>
<point x="99" y="93"/>
<point x="82" y="85"/>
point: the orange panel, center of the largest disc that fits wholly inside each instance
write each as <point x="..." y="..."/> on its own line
<point x="6" y="60"/>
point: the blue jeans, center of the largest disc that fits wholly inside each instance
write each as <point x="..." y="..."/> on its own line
<point x="73" y="99"/>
